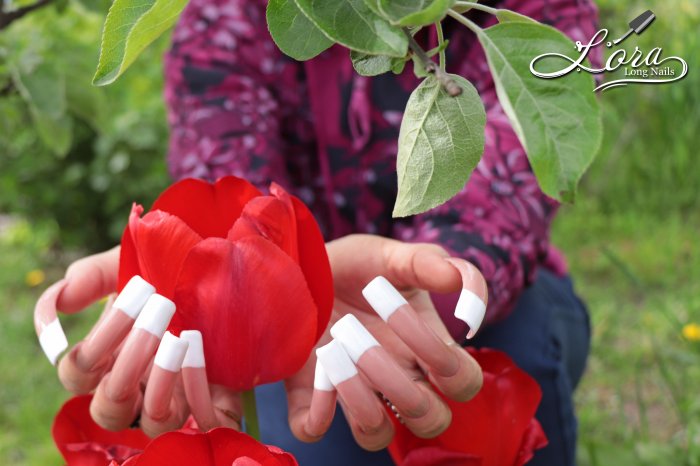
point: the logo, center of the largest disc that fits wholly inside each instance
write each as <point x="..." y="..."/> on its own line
<point x="637" y="67"/>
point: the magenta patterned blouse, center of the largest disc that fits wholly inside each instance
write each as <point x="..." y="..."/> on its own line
<point x="238" y="106"/>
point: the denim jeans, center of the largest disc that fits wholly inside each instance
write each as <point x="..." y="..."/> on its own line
<point x="547" y="335"/>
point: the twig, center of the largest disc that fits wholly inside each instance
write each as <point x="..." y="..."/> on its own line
<point x="449" y="84"/>
<point x="7" y="17"/>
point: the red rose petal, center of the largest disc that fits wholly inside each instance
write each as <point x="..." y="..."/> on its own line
<point x="251" y="303"/>
<point x="82" y="442"/>
<point x="209" y="209"/>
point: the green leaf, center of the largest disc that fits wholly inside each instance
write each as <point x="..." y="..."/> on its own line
<point x="557" y="120"/>
<point x="131" y="25"/>
<point x="440" y="142"/>
<point x="374" y="65"/>
<point x="354" y="25"/>
<point x="374" y="6"/>
<point x="56" y="133"/>
<point x="293" y="32"/>
<point x="463" y="8"/>
<point x="44" y="88"/>
<point x="414" y="12"/>
<point x="509" y="16"/>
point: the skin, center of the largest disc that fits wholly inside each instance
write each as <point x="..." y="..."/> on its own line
<point x="415" y="269"/>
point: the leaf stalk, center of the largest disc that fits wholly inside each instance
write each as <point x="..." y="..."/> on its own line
<point x="445" y="80"/>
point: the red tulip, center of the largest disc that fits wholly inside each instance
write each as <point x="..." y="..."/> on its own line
<point x="248" y="271"/>
<point x="496" y="428"/>
<point x="218" y="447"/>
<point x="83" y="443"/>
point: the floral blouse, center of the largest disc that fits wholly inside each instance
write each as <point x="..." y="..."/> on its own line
<point x="238" y="106"/>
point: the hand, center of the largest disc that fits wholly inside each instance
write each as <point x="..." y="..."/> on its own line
<point x="119" y="362"/>
<point x="414" y="350"/>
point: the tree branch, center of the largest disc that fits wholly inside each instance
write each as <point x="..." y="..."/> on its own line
<point x="7" y="17"/>
<point x="449" y="84"/>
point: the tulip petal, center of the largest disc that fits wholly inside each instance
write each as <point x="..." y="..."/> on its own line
<point x="436" y="456"/>
<point x="270" y="218"/>
<point x="313" y="260"/>
<point x="128" y="259"/>
<point x="162" y="241"/>
<point x="251" y="303"/>
<point x="506" y="404"/>
<point x="209" y="209"/>
<point x="81" y="441"/>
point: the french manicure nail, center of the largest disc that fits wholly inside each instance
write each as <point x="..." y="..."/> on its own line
<point x="322" y="406"/>
<point x="156" y="315"/>
<point x="336" y="363"/>
<point x="171" y="353"/>
<point x="194" y="378"/>
<point x="471" y="306"/>
<point x="46" y="324"/>
<point x="195" y="350"/>
<point x="383" y="297"/>
<point x="354" y="337"/>
<point x="134" y="296"/>
<point x="321" y="380"/>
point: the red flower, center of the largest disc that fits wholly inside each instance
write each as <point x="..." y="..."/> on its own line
<point x="496" y="428"/>
<point x="248" y="271"/>
<point x="218" y="447"/>
<point x="83" y="443"/>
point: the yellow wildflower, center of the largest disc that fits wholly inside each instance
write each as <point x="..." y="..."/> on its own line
<point x="35" y="277"/>
<point x="691" y="332"/>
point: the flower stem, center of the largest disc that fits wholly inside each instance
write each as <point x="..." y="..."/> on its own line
<point x="441" y="41"/>
<point x="469" y="24"/>
<point x="250" y="414"/>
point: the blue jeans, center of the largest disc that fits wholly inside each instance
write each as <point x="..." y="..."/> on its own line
<point x="547" y="335"/>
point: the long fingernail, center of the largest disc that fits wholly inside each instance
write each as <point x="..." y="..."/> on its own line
<point x="321" y="380"/>
<point x="156" y="315"/>
<point x="171" y="353"/>
<point x="336" y="363"/>
<point x="354" y="337"/>
<point x="48" y="328"/>
<point x="471" y="308"/>
<point x="134" y="296"/>
<point x="195" y="350"/>
<point x="383" y="297"/>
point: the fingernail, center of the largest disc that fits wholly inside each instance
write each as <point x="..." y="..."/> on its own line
<point x="383" y="297"/>
<point x="470" y="309"/>
<point x="46" y="324"/>
<point x="53" y="341"/>
<point x="195" y="351"/>
<point x="156" y="315"/>
<point x="171" y="353"/>
<point x="354" y="337"/>
<point x="133" y="296"/>
<point x="321" y="380"/>
<point x="336" y="362"/>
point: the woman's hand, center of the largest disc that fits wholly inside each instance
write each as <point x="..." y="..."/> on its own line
<point x="415" y="345"/>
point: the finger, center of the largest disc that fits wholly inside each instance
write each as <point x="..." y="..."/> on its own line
<point x="89" y="279"/>
<point x="110" y="331"/>
<point x="466" y="382"/>
<point x="160" y="412"/>
<point x="115" y="400"/>
<point x="74" y="377"/>
<point x="300" y="393"/>
<point x="393" y="308"/>
<point x="360" y="402"/>
<point x="436" y="419"/>
<point x="373" y="441"/>
<point x="322" y="408"/>
<point x="379" y="367"/>
<point x="227" y="406"/>
<point x="194" y="378"/>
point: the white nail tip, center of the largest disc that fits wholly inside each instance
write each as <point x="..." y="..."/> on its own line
<point x="134" y="296"/>
<point x="321" y="380"/>
<point x="354" y="337"/>
<point x="470" y="309"/>
<point x="336" y="362"/>
<point x="171" y="352"/>
<point x="156" y="315"/>
<point x="53" y="341"/>
<point x="195" y="352"/>
<point x="383" y="297"/>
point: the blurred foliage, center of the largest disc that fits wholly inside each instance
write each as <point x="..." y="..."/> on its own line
<point x="97" y="149"/>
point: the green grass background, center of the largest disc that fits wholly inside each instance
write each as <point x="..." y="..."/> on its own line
<point x="632" y="242"/>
